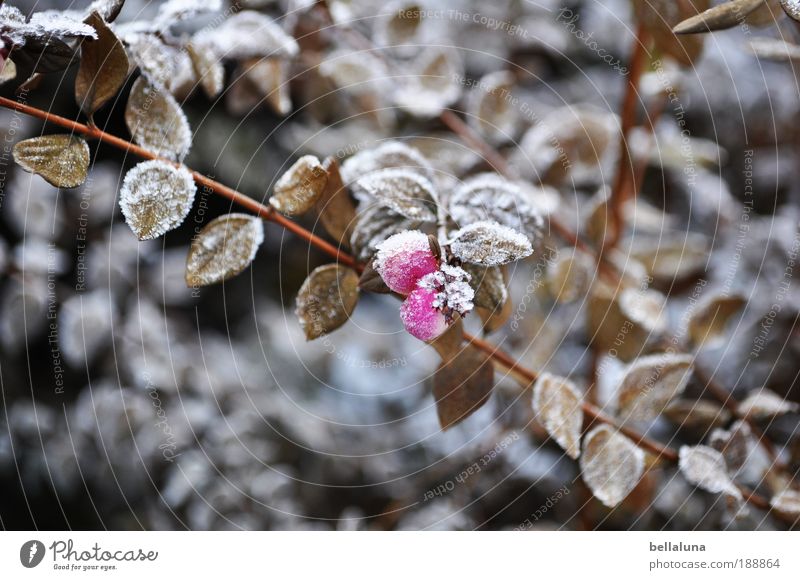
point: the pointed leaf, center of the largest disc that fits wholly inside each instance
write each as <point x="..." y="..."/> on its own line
<point x="705" y="467"/>
<point x="611" y="464"/>
<point x="650" y="383"/>
<point x="223" y="248"/>
<point x="720" y="17"/>
<point x="62" y="160"/>
<point x="299" y="189"/>
<point x="489" y="244"/>
<point x="764" y="404"/>
<point x="157" y="122"/>
<point x="103" y="69"/>
<point x="336" y="210"/>
<point x="708" y="321"/>
<point x="462" y="385"/>
<point x="557" y="404"/>
<point x="326" y="299"/>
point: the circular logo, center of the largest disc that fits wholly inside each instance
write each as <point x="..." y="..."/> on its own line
<point x="31" y="553"/>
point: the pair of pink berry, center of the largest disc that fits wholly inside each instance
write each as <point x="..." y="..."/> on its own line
<point x="403" y="261"/>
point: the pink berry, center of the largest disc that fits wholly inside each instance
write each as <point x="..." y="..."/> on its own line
<point x="420" y="317"/>
<point x="403" y="259"/>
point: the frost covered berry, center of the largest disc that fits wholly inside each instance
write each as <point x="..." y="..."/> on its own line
<point x="403" y="259"/>
<point x="434" y="304"/>
<point x="420" y="317"/>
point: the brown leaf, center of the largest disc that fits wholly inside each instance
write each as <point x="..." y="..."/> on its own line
<point x="336" y="210"/>
<point x="701" y="415"/>
<point x="611" y="465"/>
<point x="557" y="404"/>
<point x="299" y="189"/>
<point x="489" y="285"/>
<point x="462" y="385"/>
<point x="719" y="17"/>
<point x="495" y="318"/>
<point x="326" y="299"/>
<point x="103" y="69"/>
<point x="650" y="383"/>
<point x="450" y="343"/>
<point x="223" y="248"/>
<point x="62" y="160"/>
<point x="735" y="444"/>
<point x="268" y="78"/>
<point x="569" y="276"/>
<point x="403" y="191"/>
<point x="371" y="281"/>
<point x="207" y="67"/>
<point x="708" y="321"/>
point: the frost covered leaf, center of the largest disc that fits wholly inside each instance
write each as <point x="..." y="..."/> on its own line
<point x="267" y="76"/>
<point x="705" y="467"/>
<point x="792" y="8"/>
<point x="720" y="17"/>
<point x="462" y="385"/>
<point x="249" y="34"/>
<point x="489" y="285"/>
<point x="569" y="276"/>
<point x="489" y="196"/>
<point x="708" y="321"/>
<point x="764" y="404"/>
<point x="650" y="383"/>
<point x="777" y="50"/>
<point x="489" y="244"/>
<point x="336" y="210"/>
<point x="432" y="85"/>
<point x="374" y="225"/>
<point x="611" y="465"/>
<point x="702" y="415"/>
<point x="223" y="248"/>
<point x="358" y="72"/>
<point x="107" y="9"/>
<point x="156" y="197"/>
<point x="103" y="69"/>
<point x="735" y="444"/>
<point x="388" y="155"/>
<point x="207" y="67"/>
<point x="557" y="404"/>
<point x="673" y="258"/>
<point x="157" y="122"/>
<point x="403" y="191"/>
<point x="787" y="502"/>
<point x="490" y="109"/>
<point x="62" y="160"/>
<point x="299" y="189"/>
<point x="326" y="299"/>
<point x="401" y="27"/>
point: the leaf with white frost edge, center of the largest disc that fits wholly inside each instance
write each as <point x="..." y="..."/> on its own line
<point x="326" y="299"/>
<point x="558" y="407"/>
<point x="611" y="465"/>
<point x="223" y="248"/>
<point x="786" y="502"/>
<point x="403" y="191"/>
<point x="764" y="404"/>
<point x="650" y="383"/>
<point x="156" y="197"/>
<point x="489" y="244"/>
<point x="62" y="160"/>
<point x="157" y="122"/>
<point x="705" y="467"/>
<point x="298" y="190"/>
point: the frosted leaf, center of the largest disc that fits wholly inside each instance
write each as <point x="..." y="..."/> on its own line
<point x="208" y="67"/>
<point x="792" y="8"/>
<point x="58" y="25"/>
<point x="156" y="197"/>
<point x="374" y="225"/>
<point x="402" y="27"/>
<point x="298" y="190"/>
<point x="787" y="502"/>
<point x="267" y="76"/>
<point x="611" y="465"/>
<point x="735" y="444"/>
<point x="462" y="385"/>
<point x="103" y="68"/>
<point x="777" y="50"/>
<point x="84" y="327"/>
<point x="154" y="58"/>
<point x="157" y="122"/>
<point x="710" y="317"/>
<point x="431" y="85"/>
<point x="650" y="383"/>
<point x="388" y="155"/>
<point x="336" y="210"/>
<point x="720" y="17"/>
<point x="107" y="9"/>
<point x="672" y="259"/>
<point x="765" y="404"/>
<point x="489" y="244"/>
<point x="358" y="72"/>
<point x="403" y="191"/>
<point x="645" y="308"/>
<point x="489" y="285"/>
<point x="173" y="11"/>
<point x="702" y="415"/>
<point x="557" y="404"/>
<point x="326" y="299"/>
<point x="569" y="276"/>
<point x="223" y="248"/>
<point x="248" y="34"/>
<point x="490" y="107"/>
<point x="453" y="292"/>
<point x="705" y="467"/>
<point x="62" y="160"/>
<point x="489" y="196"/>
